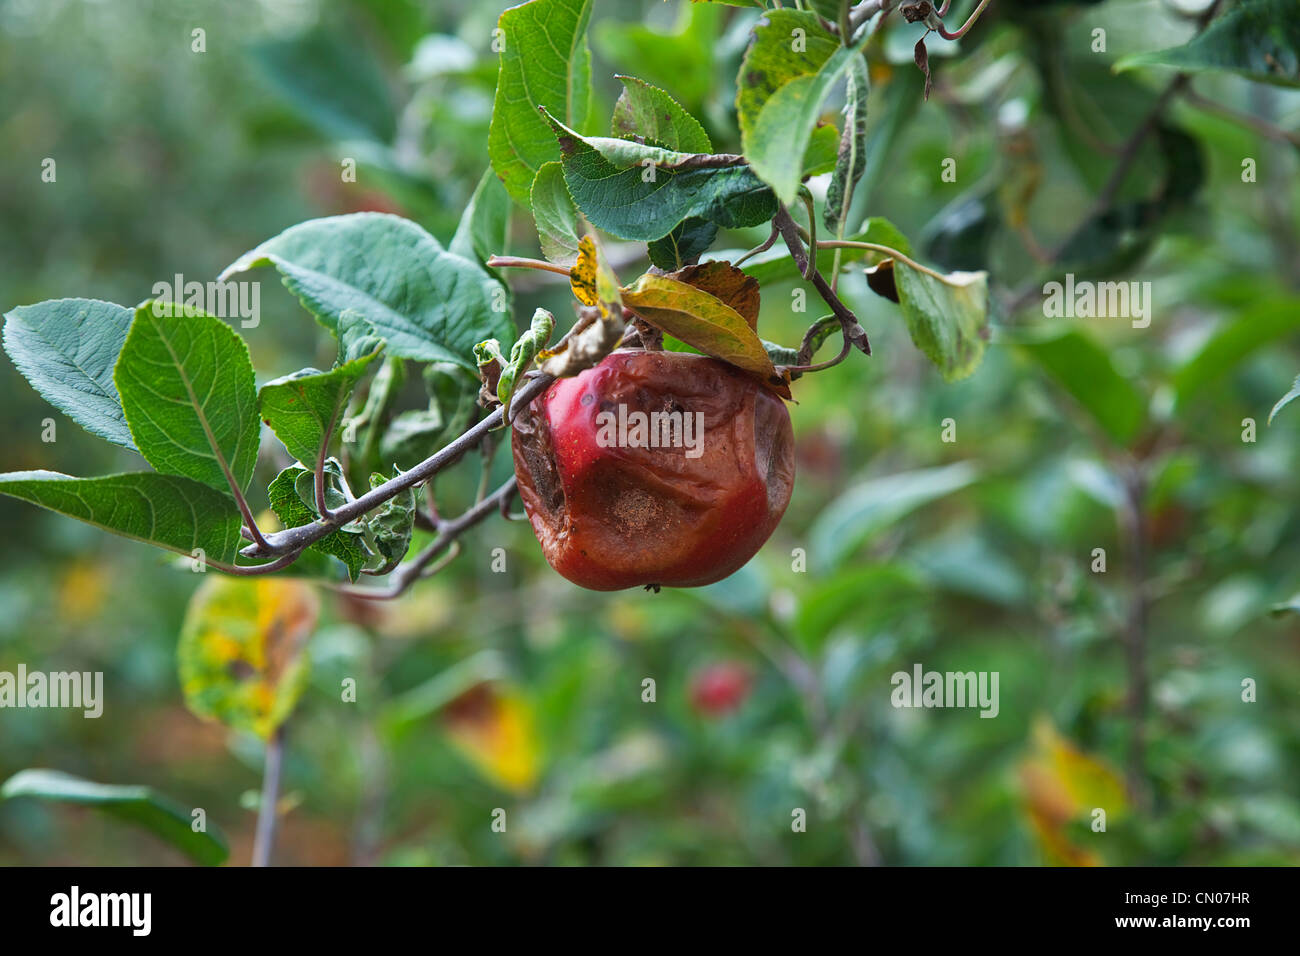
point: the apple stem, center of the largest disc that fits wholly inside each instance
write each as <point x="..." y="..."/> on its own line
<point x="517" y="262"/>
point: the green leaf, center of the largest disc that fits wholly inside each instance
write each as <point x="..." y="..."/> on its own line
<point x="878" y="590"/>
<point x="304" y="409"/>
<point x="414" y="435"/>
<point x="142" y="806"/>
<point x="829" y="9"/>
<point x="454" y="393"/>
<point x="526" y="347"/>
<point x="389" y="528"/>
<point x="1258" y="39"/>
<point x="822" y="152"/>
<point x="374" y="542"/>
<point x="381" y="397"/>
<point x="624" y="153"/>
<point x="946" y="317"/>
<point x="555" y="215"/>
<point x="66" y="349"/>
<point x="701" y="320"/>
<point x="335" y="497"/>
<point x="882" y="232"/>
<point x="241" y="654"/>
<point x="1119" y="236"/>
<point x="426" y="699"/>
<point x="650" y="113"/>
<point x="163" y="510"/>
<point x="186" y="383"/>
<point x="642" y="192"/>
<point x="333" y="82"/>
<point x="1090" y="105"/>
<point x="428" y="303"/>
<point x="544" y="63"/>
<point x="484" y="227"/>
<point x="1286" y="399"/>
<point x="689" y="240"/>
<point x="1085" y="371"/>
<point x="961" y="234"/>
<point x="872" y="506"/>
<point x="851" y="158"/>
<point x="290" y="508"/>
<point x="965" y="562"/>
<point x="681" y="57"/>
<point x="779" y="354"/>
<point x="901" y="91"/>
<point x="357" y="337"/>
<point x="1095" y="109"/>
<point x="788" y="71"/>
<point x="821" y="330"/>
<point x="1236" y="339"/>
<point x="817" y="334"/>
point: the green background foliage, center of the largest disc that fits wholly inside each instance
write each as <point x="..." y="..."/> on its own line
<point x="975" y="554"/>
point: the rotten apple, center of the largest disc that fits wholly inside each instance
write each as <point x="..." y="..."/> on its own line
<point x="653" y="468"/>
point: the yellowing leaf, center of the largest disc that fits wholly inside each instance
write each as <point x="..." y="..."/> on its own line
<point x="82" y="589"/>
<point x="241" y="650"/>
<point x="724" y="281"/>
<point x="592" y="280"/>
<point x="1061" y="785"/>
<point x="703" y="321"/>
<point x="582" y="275"/>
<point x="595" y="334"/>
<point x="496" y="732"/>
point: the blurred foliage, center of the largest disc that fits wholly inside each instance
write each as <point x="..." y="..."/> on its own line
<point x="484" y="689"/>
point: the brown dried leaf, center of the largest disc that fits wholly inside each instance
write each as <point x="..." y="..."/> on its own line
<point x="724" y="281"/>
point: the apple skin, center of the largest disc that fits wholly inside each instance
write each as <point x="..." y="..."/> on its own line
<point x="720" y="688"/>
<point x="617" y="517"/>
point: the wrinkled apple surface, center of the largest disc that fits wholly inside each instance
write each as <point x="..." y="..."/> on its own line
<point x="653" y="468"/>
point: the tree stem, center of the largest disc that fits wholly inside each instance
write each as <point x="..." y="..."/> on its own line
<point x="295" y="539"/>
<point x="1249" y="120"/>
<point x="318" y="482"/>
<point x="1128" y="154"/>
<point x="268" y="808"/>
<point x="892" y="253"/>
<point x="807" y="265"/>
<point x="970" y="22"/>
<point x="1135" y="631"/>
<point x="515" y="262"/>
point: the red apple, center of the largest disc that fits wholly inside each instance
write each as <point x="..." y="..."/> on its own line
<point x="719" y="688"/>
<point x="654" y="468"/>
